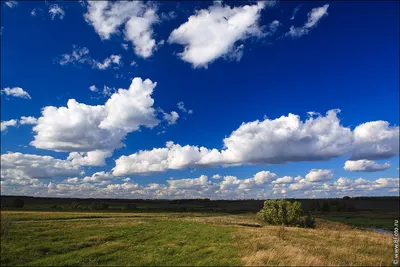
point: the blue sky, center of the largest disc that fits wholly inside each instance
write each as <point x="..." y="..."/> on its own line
<point x="338" y="55"/>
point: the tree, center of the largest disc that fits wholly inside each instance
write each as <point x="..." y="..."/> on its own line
<point x="281" y="212"/>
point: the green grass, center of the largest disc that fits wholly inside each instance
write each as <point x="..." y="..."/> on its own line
<point x="362" y="219"/>
<point x="181" y="239"/>
<point x="118" y="242"/>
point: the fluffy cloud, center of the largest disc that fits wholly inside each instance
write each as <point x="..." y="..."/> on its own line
<point x="314" y="16"/>
<point x="56" y="11"/>
<point x="260" y="142"/>
<point x="27" y="120"/>
<point x="80" y="55"/>
<point x="272" y="141"/>
<point x="16" y="92"/>
<point x="212" y="33"/>
<point x="230" y="187"/>
<point x="9" y="123"/>
<point x="84" y="128"/>
<point x="318" y="175"/>
<point x="363" y="165"/>
<point x="14" y="123"/>
<point x="216" y="176"/>
<point x="91" y="158"/>
<point x="375" y="140"/>
<point x="138" y="17"/>
<point x="18" y="165"/>
<point x="171" y="118"/>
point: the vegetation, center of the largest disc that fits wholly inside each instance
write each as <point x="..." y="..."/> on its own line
<point x="142" y="239"/>
<point x="285" y="213"/>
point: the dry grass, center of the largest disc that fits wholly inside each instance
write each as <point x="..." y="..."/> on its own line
<point x="288" y="246"/>
<point x="330" y="244"/>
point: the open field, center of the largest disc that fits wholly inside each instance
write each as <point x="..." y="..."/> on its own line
<point x="182" y="238"/>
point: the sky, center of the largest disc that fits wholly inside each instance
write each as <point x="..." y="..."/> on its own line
<point x="220" y="100"/>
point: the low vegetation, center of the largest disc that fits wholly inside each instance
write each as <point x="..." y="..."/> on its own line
<point x="285" y="213"/>
<point x="190" y="238"/>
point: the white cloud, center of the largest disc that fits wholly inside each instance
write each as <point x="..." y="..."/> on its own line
<point x="171" y="118"/>
<point x="56" y="11"/>
<point x="375" y="140"/>
<point x="284" y="180"/>
<point x="262" y="185"/>
<point x="363" y="165"/>
<point x="216" y="176"/>
<point x="80" y="55"/>
<point x="212" y="33"/>
<point x="113" y="59"/>
<point x="99" y="177"/>
<point x="319" y="175"/>
<point x="37" y="11"/>
<point x="181" y="106"/>
<point x="93" y="88"/>
<point x="16" y="92"/>
<point x="11" y="4"/>
<point x="28" y="120"/>
<point x="125" y="46"/>
<point x="314" y="16"/>
<point x="138" y="17"/>
<point x="277" y="141"/>
<point x="132" y="108"/>
<point x="9" y="123"/>
<point x="96" y="130"/>
<point x="295" y="10"/>
<point x="91" y="158"/>
<point x="18" y="165"/>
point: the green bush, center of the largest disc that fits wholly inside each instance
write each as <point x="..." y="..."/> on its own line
<point x="281" y="212"/>
<point x="308" y="222"/>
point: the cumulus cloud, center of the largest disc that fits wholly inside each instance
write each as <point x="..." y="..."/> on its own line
<point x="212" y="33"/>
<point x="171" y="118"/>
<point x="376" y="140"/>
<point x="273" y="141"/>
<point x="56" y="11"/>
<point x="18" y="165"/>
<point x="84" y="128"/>
<point x="91" y="158"/>
<point x="314" y="16"/>
<point x="28" y="120"/>
<point x="363" y="165"/>
<point x="139" y="17"/>
<point x="281" y="140"/>
<point x="80" y="55"/>
<point x="262" y="185"/>
<point x="216" y="176"/>
<point x="319" y="175"/>
<point x="9" y="123"/>
<point x="16" y="92"/>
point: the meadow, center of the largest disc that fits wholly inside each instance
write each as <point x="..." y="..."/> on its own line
<point x="142" y="238"/>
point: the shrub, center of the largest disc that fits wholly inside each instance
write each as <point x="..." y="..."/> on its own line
<point x="280" y="212"/>
<point x="308" y="222"/>
<point x="17" y="203"/>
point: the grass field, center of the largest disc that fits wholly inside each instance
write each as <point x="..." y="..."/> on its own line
<point x="90" y="238"/>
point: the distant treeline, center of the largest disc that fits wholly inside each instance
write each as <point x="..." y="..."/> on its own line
<point x="347" y="204"/>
